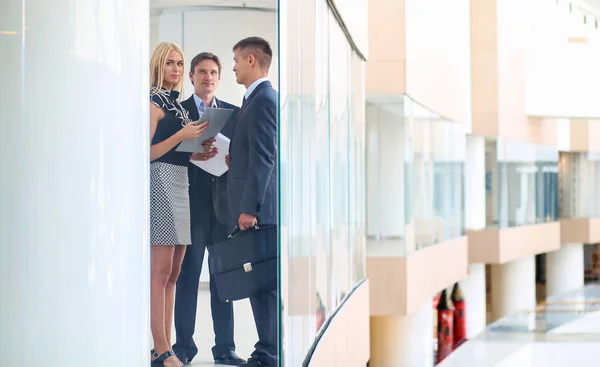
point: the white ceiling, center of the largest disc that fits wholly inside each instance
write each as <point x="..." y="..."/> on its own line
<point x="164" y="4"/>
<point x="590" y="7"/>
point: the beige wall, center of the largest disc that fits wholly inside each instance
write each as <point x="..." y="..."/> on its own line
<point x="499" y="42"/>
<point x="580" y="230"/>
<point x="493" y="246"/>
<point x="386" y="69"/>
<point x="422" y="53"/>
<point x="498" y="68"/>
<point x="584" y="135"/>
<point x="346" y="341"/>
<point x="511" y="30"/>
<point x="437" y="56"/>
<point x="399" y="285"/>
<point x="484" y="67"/>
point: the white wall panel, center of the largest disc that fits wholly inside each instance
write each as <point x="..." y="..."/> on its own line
<point x="74" y="259"/>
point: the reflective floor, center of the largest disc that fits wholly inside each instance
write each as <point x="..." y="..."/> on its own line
<point x="245" y="331"/>
<point x="562" y="331"/>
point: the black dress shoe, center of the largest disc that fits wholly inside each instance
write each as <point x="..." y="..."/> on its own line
<point x="230" y="359"/>
<point x="183" y="356"/>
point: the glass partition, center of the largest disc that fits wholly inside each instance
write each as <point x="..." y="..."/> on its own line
<point x="434" y="177"/>
<point x="321" y="171"/>
<point x="521" y="183"/>
<point x="415" y="173"/>
<point x="579" y="185"/>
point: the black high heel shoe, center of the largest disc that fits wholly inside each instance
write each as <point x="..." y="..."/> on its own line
<point x="159" y="361"/>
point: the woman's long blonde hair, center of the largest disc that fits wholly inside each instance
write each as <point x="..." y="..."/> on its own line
<point x="158" y="62"/>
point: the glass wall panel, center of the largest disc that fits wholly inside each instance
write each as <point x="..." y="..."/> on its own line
<point x="340" y="62"/>
<point x="385" y="180"/>
<point x="415" y="178"/>
<point x="521" y="183"/>
<point x="321" y="144"/>
<point x="357" y="198"/>
<point x="322" y="171"/>
<point x="434" y="157"/>
<point x="353" y="13"/>
<point x="579" y="185"/>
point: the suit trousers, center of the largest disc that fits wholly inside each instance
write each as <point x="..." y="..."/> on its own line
<point x="186" y="299"/>
<point x="264" y="308"/>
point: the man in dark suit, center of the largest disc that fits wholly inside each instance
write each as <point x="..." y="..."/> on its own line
<point x="210" y="216"/>
<point x="252" y="186"/>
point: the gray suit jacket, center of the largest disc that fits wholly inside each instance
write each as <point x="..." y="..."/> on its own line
<point x="252" y="185"/>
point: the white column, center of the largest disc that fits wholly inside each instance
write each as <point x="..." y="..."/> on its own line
<point x="475" y="200"/>
<point x="513" y="287"/>
<point x="74" y="259"/>
<point x="403" y="341"/>
<point x="473" y="285"/>
<point x="564" y="269"/>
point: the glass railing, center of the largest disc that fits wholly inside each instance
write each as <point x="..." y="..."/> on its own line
<point x="579" y="185"/>
<point x="415" y="173"/>
<point x="521" y="183"/>
<point x="434" y="177"/>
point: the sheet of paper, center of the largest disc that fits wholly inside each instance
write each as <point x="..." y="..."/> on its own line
<point x="216" y="166"/>
<point x="217" y="118"/>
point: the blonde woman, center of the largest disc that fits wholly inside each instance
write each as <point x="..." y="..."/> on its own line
<point x="169" y="200"/>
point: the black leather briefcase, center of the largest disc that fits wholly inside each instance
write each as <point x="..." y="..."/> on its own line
<point x="245" y="264"/>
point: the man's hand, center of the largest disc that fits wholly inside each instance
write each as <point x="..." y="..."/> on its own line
<point x="204" y="156"/>
<point x="246" y="221"/>
<point x="227" y="160"/>
<point x="209" y="151"/>
<point x="208" y="145"/>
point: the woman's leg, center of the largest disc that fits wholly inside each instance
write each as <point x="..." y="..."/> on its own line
<point x="162" y="262"/>
<point x="170" y="289"/>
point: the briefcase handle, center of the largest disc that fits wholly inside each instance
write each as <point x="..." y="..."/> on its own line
<point x="237" y="230"/>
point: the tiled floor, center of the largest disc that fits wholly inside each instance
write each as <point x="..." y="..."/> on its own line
<point x="511" y="354"/>
<point x="245" y="331"/>
<point x="563" y="331"/>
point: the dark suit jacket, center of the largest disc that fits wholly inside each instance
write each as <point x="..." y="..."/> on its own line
<point x="252" y="185"/>
<point x="203" y="185"/>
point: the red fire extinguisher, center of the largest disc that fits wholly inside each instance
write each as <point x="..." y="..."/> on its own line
<point x="460" y="321"/>
<point x="320" y="312"/>
<point x="445" y="327"/>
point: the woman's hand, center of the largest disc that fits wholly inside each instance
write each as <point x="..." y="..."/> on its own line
<point x="192" y="131"/>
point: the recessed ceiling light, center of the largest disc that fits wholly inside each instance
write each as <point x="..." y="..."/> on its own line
<point x="9" y="33"/>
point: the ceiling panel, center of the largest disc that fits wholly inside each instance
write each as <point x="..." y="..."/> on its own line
<point x="590" y="7"/>
<point x="164" y="4"/>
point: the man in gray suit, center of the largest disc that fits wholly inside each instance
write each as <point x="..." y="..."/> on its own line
<point x="252" y="185"/>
